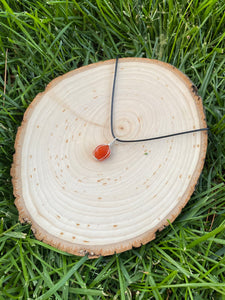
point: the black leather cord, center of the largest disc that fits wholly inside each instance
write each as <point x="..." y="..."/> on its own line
<point x="139" y="140"/>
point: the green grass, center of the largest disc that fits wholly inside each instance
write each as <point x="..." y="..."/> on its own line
<point x="41" y="40"/>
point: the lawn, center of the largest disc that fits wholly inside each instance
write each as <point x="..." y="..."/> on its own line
<point x="40" y="40"/>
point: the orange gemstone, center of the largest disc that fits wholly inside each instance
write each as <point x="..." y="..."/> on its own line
<point x="102" y="152"/>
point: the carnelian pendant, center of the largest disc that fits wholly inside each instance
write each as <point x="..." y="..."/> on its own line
<point x="102" y="152"/>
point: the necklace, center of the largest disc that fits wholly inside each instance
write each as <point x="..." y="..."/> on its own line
<point x="103" y="151"/>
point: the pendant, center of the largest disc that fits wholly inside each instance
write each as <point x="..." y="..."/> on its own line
<point x="103" y="151"/>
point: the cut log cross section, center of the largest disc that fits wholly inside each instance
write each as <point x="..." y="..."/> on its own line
<point x="84" y="206"/>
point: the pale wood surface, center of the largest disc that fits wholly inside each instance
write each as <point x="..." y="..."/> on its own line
<point x="81" y="205"/>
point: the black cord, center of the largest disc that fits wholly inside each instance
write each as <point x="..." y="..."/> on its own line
<point x="140" y="140"/>
<point x="112" y="100"/>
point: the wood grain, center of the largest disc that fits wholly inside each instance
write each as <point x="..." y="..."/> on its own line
<point x="80" y="205"/>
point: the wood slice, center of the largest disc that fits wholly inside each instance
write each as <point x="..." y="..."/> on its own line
<point x="84" y="206"/>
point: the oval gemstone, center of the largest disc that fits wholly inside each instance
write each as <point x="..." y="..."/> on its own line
<point x="102" y="152"/>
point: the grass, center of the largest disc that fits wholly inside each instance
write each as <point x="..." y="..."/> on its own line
<point x="41" y="40"/>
